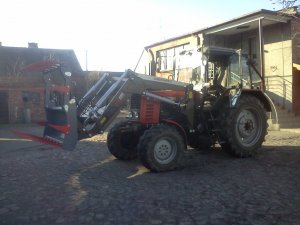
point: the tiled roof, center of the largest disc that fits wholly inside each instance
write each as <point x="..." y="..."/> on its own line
<point x="12" y="59"/>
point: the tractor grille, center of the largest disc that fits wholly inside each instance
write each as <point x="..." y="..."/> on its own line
<point x="135" y="102"/>
<point x="149" y="111"/>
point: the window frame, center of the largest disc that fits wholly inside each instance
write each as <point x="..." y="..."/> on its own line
<point x="166" y="57"/>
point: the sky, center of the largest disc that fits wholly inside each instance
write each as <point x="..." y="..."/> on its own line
<point x="111" y="35"/>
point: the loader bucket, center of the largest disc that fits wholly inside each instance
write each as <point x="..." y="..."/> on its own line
<point x="61" y="126"/>
<point x="60" y="107"/>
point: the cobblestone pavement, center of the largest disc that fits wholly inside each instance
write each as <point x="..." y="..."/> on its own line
<point x="41" y="185"/>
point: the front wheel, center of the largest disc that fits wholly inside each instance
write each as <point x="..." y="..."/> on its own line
<point x="244" y="127"/>
<point x="122" y="141"/>
<point x="161" y="148"/>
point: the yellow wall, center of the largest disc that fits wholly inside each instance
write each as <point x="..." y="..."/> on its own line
<point x="279" y="54"/>
<point x="152" y="52"/>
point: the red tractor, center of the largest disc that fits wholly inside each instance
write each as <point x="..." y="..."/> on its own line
<point x="165" y="116"/>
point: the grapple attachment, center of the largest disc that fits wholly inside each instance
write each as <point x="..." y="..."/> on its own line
<point x="60" y="106"/>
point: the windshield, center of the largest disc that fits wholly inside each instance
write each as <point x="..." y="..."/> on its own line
<point x="240" y="69"/>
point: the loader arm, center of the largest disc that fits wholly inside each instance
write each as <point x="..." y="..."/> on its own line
<point x="114" y="93"/>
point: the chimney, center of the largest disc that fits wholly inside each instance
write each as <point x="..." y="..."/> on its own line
<point x="32" y="45"/>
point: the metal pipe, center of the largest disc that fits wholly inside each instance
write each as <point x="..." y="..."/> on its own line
<point x="216" y="30"/>
<point x="93" y="92"/>
<point x="261" y="53"/>
<point x="110" y="91"/>
<point x="139" y="60"/>
<point x="240" y="67"/>
<point x="275" y="111"/>
<point x="160" y="98"/>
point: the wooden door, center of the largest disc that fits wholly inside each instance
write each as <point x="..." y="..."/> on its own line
<point x="296" y="92"/>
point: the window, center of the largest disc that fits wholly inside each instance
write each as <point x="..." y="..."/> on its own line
<point x="29" y="96"/>
<point x="234" y="77"/>
<point x="166" y="58"/>
<point x="240" y="69"/>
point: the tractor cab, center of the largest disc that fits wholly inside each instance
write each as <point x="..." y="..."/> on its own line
<point x="217" y="66"/>
<point x="229" y="68"/>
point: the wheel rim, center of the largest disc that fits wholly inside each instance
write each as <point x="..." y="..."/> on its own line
<point x="248" y="127"/>
<point x="165" y="151"/>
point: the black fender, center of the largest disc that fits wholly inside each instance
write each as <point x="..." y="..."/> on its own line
<point x="232" y="100"/>
<point x="257" y="93"/>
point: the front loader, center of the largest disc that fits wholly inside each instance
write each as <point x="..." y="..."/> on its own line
<point x="166" y="117"/>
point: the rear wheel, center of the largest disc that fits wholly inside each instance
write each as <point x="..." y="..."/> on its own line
<point x="122" y="141"/>
<point x="160" y="148"/>
<point x="244" y="127"/>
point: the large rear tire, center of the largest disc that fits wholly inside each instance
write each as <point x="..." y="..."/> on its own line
<point x="161" y="148"/>
<point x="244" y="128"/>
<point x="122" y="141"/>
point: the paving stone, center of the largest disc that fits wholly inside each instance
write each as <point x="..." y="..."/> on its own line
<point x="89" y="186"/>
<point x="60" y="220"/>
<point x="3" y="211"/>
<point x="156" y="222"/>
<point x="100" y="216"/>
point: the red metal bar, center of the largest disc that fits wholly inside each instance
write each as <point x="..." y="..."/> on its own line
<point x="65" y="89"/>
<point x="40" y="66"/>
<point x="40" y="123"/>
<point x="169" y="93"/>
<point x="36" y="138"/>
<point x="64" y="128"/>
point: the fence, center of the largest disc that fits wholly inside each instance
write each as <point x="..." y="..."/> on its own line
<point x="280" y="90"/>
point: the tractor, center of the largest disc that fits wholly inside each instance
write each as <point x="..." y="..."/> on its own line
<point x="165" y="116"/>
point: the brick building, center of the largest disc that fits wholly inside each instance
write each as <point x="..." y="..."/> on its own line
<point x="24" y="92"/>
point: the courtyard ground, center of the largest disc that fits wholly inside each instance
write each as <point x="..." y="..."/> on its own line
<point x="42" y="185"/>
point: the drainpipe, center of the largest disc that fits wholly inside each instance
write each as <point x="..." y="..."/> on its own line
<point x="261" y="53"/>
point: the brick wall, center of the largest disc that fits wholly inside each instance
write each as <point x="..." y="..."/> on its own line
<point x="23" y="92"/>
<point x="27" y="92"/>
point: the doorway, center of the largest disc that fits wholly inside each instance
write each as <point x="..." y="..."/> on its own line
<point x="4" y="115"/>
